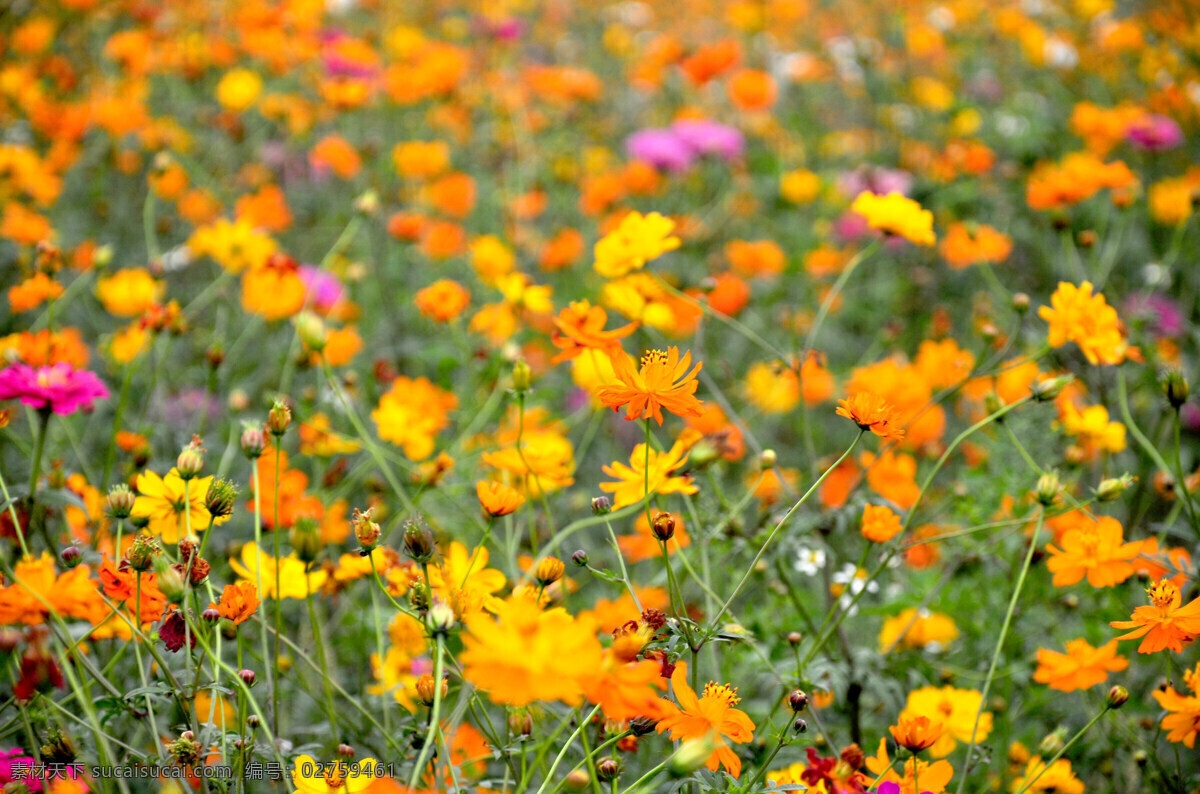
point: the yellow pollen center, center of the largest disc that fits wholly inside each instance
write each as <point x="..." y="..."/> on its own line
<point x="722" y="692"/>
<point x="653" y="357"/>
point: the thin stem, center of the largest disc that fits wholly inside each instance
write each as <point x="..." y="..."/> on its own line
<point x="987" y="682"/>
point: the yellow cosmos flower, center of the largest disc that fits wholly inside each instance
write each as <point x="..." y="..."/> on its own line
<point x="130" y="292"/>
<point x="165" y="500"/>
<point x="638" y="239"/>
<point x="955" y="709"/>
<point x="259" y="569"/>
<point x="896" y="214"/>
<point x="632" y="487"/>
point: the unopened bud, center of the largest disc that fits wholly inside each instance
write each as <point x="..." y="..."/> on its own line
<point x="220" y="498"/>
<point x="549" y="571"/>
<point x="211" y="615"/>
<point x="142" y="552"/>
<point x="120" y="501"/>
<point x="366" y="531"/>
<point x="190" y="463"/>
<point x="253" y="442"/>
<point x="418" y="542"/>
<point x="367" y="203"/>
<point x="1048" y="389"/>
<point x="70" y="557"/>
<point x="767" y="459"/>
<point x="1048" y="487"/>
<point x="248" y="677"/>
<point x="608" y="769"/>
<point x="426" y="691"/>
<point x="170" y="581"/>
<point x="520" y="723"/>
<point x="440" y="618"/>
<point x="1113" y="487"/>
<point x="800" y="726"/>
<point x="1117" y="696"/>
<point x="580" y="558"/>
<point x="1020" y="303"/>
<point x="311" y="330"/>
<point x="305" y="537"/>
<point x="345" y="751"/>
<point x="601" y="506"/>
<point x="794" y="638"/>
<point x="642" y="726"/>
<point x="278" y="418"/>
<point x="522" y="376"/>
<point x="1053" y="742"/>
<point x="1175" y="387"/>
<point x="664" y="526"/>
<point x="690" y="756"/>
<point x="798" y="700"/>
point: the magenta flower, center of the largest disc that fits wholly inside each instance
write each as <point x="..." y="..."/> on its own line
<point x="1155" y="133"/>
<point x="60" y="388"/>
<point x="16" y="767"/>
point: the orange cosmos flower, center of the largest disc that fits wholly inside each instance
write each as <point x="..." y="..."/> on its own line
<point x="580" y="327"/>
<point x="1081" y="667"/>
<point x="752" y="89"/>
<point x="662" y="382"/>
<point x="1075" y="315"/>
<point x="712" y="714"/>
<point x="1164" y="623"/>
<point x="879" y="524"/>
<point x="37" y="590"/>
<point x="969" y="244"/>
<point x="32" y="292"/>
<point x="1096" y="549"/>
<point x="497" y="498"/>
<point x="238" y="602"/>
<point x="443" y="300"/>
<point x="916" y="733"/>
<point x="870" y="412"/>
<point x="1183" y="713"/>
<point x="275" y="290"/>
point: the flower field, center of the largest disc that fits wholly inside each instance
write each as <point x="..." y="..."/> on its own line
<point x="539" y="396"/>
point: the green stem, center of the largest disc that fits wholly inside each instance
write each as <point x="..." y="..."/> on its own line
<point x="987" y="682"/>
<point x="1029" y="783"/>
<point x="434" y="725"/>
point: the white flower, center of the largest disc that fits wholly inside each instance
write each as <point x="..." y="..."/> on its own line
<point x="809" y="561"/>
<point x="848" y="583"/>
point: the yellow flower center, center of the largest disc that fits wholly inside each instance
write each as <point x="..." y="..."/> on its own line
<point x="1162" y="594"/>
<point x="654" y="357"/>
<point x="723" y="692"/>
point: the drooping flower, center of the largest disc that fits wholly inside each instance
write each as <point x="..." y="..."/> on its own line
<point x="896" y="214"/>
<point x="1076" y="315"/>
<point x="60" y="388"/>
<point x="871" y="412"/>
<point x="663" y="381"/>
<point x="497" y="499"/>
<point x="711" y="715"/>
<point x="1163" y="623"/>
<point x="1081" y="667"/>
<point x="633" y="486"/>
<point x="636" y="240"/>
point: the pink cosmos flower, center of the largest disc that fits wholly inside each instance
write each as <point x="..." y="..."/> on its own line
<point x="61" y="388"/>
